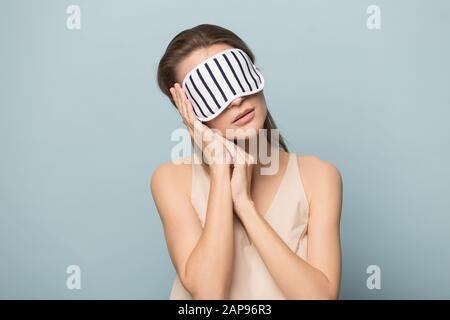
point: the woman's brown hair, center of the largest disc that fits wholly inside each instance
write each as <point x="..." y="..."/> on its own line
<point x="202" y="36"/>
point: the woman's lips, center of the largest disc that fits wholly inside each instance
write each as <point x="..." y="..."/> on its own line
<point x="245" y="119"/>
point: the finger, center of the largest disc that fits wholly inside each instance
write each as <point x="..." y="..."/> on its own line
<point x="174" y="96"/>
<point x="189" y="109"/>
<point x="215" y="139"/>
<point x="250" y="159"/>
<point x="197" y="126"/>
<point x="249" y="178"/>
<point x="181" y="96"/>
<point x="182" y="106"/>
<point x="230" y="147"/>
<point x="240" y="156"/>
<point x="247" y="157"/>
<point x="191" y="114"/>
<point x="178" y="96"/>
<point x="175" y="99"/>
<point x="175" y="93"/>
<point x="185" y="107"/>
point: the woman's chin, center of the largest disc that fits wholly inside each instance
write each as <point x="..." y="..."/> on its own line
<point x="245" y="132"/>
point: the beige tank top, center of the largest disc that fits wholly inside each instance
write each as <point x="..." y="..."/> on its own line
<point x="287" y="214"/>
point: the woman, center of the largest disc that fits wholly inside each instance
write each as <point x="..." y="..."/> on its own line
<point x="231" y="231"/>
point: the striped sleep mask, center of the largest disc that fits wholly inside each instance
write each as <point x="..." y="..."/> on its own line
<point x="214" y="83"/>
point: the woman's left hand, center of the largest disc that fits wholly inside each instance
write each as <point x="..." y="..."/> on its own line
<point x="241" y="178"/>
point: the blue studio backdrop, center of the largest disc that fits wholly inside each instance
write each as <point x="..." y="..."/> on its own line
<point x="83" y="125"/>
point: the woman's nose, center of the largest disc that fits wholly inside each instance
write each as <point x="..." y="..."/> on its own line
<point x="237" y="101"/>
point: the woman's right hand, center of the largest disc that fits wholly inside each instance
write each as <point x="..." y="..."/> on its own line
<point x="218" y="151"/>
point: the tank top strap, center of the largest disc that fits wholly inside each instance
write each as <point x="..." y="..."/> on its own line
<point x="295" y="181"/>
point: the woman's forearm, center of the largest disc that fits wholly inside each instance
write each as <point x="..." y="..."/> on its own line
<point x="296" y="278"/>
<point x="209" y="267"/>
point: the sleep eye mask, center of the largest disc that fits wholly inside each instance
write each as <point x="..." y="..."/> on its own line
<point x="214" y="83"/>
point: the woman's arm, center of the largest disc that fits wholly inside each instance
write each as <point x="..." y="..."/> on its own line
<point x="319" y="276"/>
<point x="203" y="258"/>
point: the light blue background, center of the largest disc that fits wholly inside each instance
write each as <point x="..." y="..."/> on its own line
<point x="83" y="126"/>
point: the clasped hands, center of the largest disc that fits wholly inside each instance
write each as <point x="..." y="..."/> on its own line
<point x="219" y="152"/>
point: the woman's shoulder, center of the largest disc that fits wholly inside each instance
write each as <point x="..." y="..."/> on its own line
<point x="316" y="165"/>
<point x="172" y="174"/>
<point x="317" y="173"/>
